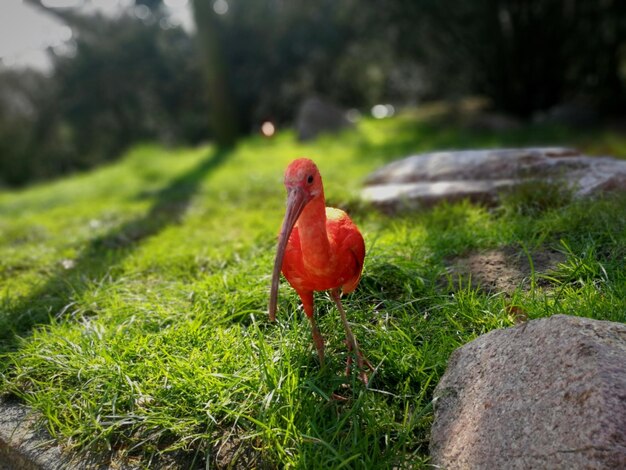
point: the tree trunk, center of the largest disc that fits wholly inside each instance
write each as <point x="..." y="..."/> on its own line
<point x="223" y="113"/>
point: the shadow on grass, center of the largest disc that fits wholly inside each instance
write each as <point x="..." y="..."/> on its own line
<point x="19" y="316"/>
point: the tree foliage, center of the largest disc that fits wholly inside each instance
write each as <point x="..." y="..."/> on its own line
<point x="127" y="80"/>
<point x="526" y="55"/>
<point x="277" y="53"/>
<point x="132" y="79"/>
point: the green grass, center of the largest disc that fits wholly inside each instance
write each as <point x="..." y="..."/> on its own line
<point x="133" y="300"/>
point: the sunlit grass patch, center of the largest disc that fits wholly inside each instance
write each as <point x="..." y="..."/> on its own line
<point x="133" y="300"/>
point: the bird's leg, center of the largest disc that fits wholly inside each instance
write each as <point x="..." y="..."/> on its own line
<point x="317" y="339"/>
<point x="349" y="360"/>
<point x="351" y="340"/>
<point x="307" y="303"/>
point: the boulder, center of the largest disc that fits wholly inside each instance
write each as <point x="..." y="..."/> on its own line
<point x="23" y="446"/>
<point x="316" y="116"/>
<point x="576" y="114"/>
<point x="481" y="175"/>
<point x="548" y="394"/>
<point x="491" y="122"/>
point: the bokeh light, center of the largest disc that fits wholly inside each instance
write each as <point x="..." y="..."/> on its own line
<point x="268" y="129"/>
<point x="381" y="111"/>
<point x="220" y="7"/>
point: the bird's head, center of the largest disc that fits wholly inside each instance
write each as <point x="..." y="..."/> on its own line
<point x="303" y="177"/>
<point x="303" y="183"/>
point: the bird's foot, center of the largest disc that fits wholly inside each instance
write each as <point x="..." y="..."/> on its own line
<point x="339" y="398"/>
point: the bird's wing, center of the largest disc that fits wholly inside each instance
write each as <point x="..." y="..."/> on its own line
<point x="355" y="246"/>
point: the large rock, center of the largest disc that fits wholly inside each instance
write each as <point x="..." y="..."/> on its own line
<point x="480" y="175"/>
<point x="23" y="446"/>
<point x="570" y="114"/>
<point x="549" y="394"/>
<point x="316" y="116"/>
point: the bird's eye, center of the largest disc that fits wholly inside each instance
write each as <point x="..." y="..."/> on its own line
<point x="309" y="180"/>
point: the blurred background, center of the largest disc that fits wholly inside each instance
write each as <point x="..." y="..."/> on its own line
<point x="82" y="80"/>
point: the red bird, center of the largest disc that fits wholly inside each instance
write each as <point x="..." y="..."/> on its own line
<point x="319" y="248"/>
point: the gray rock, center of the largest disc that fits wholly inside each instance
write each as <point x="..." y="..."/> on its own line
<point x="22" y="446"/>
<point x="481" y="175"/>
<point x="316" y="116"/>
<point x="492" y="121"/>
<point x="571" y="114"/>
<point x="548" y="394"/>
<point x="25" y="445"/>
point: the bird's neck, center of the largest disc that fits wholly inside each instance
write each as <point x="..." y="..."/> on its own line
<point x="313" y="234"/>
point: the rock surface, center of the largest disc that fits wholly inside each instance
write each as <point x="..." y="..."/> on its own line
<point x="480" y="175"/>
<point x="21" y="446"/>
<point x="24" y="445"/>
<point x="549" y="394"/>
<point x="316" y="116"/>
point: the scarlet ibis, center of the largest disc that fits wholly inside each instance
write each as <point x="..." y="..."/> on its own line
<point x="319" y="249"/>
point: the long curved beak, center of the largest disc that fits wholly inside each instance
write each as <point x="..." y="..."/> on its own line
<point x="296" y="200"/>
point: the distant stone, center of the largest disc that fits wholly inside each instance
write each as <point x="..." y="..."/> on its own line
<point x="481" y="175"/>
<point x="317" y="116"/>
<point x="492" y="121"/>
<point x="548" y="394"/>
<point x="570" y="114"/>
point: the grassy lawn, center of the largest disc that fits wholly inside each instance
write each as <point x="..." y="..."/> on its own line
<point x="133" y="299"/>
